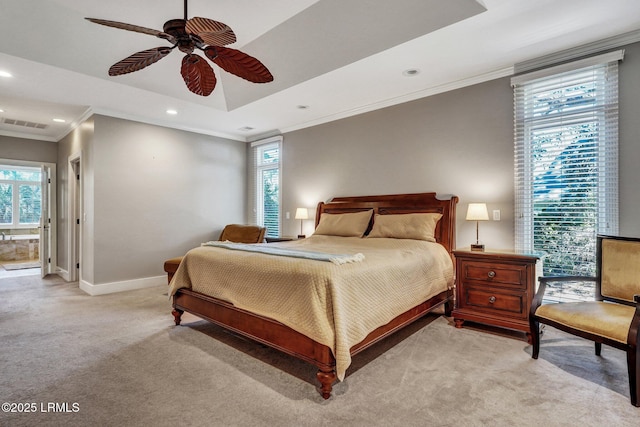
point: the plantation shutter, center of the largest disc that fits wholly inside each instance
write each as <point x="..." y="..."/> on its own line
<point x="566" y="161"/>
<point x="263" y="180"/>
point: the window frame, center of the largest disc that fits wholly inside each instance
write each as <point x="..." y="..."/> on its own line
<point x="257" y="169"/>
<point x="602" y="112"/>
<point x="16" y="198"/>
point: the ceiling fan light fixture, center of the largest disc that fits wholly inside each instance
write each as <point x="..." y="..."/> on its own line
<point x="188" y="35"/>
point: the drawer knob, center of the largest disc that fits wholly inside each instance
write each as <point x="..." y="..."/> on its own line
<point x="491" y="274"/>
<point x="492" y="299"/>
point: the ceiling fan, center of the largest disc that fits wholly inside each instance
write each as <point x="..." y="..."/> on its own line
<point x="187" y="35"/>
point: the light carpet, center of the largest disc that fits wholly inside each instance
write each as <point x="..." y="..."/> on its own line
<point x="119" y="360"/>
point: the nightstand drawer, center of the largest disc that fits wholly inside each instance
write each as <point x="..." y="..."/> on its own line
<point x="487" y="300"/>
<point x="500" y="274"/>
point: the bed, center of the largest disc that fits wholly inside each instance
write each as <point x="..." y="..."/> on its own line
<point x="324" y="311"/>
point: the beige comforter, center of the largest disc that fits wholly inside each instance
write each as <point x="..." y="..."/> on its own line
<point x="335" y="305"/>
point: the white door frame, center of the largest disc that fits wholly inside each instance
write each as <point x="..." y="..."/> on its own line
<point x="48" y="221"/>
<point x="74" y="217"/>
<point x="52" y="236"/>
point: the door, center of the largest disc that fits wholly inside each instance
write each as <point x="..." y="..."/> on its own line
<point x="47" y="220"/>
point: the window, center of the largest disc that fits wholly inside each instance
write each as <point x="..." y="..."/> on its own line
<point x="20" y="197"/>
<point x="264" y="184"/>
<point x="566" y="162"/>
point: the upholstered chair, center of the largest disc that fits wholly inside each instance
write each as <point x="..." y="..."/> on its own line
<point x="613" y="318"/>
<point x="232" y="233"/>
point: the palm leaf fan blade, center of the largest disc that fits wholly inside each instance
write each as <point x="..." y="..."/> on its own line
<point x="211" y="32"/>
<point x="134" y="28"/>
<point x="139" y="60"/>
<point x="239" y="63"/>
<point x="198" y="75"/>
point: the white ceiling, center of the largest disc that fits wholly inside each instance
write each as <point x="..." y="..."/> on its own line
<point x="336" y="57"/>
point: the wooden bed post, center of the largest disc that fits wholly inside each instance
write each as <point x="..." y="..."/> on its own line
<point x="177" y="315"/>
<point x="326" y="377"/>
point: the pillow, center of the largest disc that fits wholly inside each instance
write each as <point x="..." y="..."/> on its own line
<point x="346" y="224"/>
<point x="417" y="226"/>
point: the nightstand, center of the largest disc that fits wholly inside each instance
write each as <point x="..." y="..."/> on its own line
<point x="495" y="288"/>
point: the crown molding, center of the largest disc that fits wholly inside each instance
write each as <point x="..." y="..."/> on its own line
<point x="582" y="51"/>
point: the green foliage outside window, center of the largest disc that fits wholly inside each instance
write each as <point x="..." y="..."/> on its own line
<point x="21" y="187"/>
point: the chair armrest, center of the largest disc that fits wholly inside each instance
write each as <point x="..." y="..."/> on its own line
<point x="634" y="330"/>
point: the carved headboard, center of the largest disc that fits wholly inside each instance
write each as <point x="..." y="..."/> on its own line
<point x="400" y="204"/>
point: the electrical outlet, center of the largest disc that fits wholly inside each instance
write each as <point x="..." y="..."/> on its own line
<point x="496" y="215"/>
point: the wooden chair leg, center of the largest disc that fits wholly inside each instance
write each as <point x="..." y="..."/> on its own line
<point x="598" y="348"/>
<point x="633" y="362"/>
<point x="535" y="337"/>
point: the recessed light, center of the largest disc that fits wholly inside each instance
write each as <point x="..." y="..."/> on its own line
<point x="246" y="128"/>
<point x="1" y="110"/>
<point x="59" y="120"/>
<point x="302" y="107"/>
<point x="5" y="74"/>
<point x="411" y="72"/>
<point x="172" y="112"/>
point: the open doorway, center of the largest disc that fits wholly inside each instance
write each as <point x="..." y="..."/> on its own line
<point x="27" y="218"/>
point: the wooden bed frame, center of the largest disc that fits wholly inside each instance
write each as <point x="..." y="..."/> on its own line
<point x="274" y="334"/>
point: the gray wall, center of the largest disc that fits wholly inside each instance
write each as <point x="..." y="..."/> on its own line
<point x="459" y="142"/>
<point x="150" y="193"/>
<point x="79" y="141"/>
<point x="629" y="98"/>
<point x="27" y="149"/>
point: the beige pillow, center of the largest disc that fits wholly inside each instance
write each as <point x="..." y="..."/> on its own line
<point x="345" y="225"/>
<point x="417" y="226"/>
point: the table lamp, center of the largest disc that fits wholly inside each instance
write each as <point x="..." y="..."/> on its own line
<point x="301" y="214"/>
<point x="477" y="212"/>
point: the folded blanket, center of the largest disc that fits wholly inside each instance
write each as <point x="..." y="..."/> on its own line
<point x="294" y="253"/>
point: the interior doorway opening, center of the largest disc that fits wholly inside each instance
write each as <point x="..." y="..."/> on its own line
<point x="27" y="218"/>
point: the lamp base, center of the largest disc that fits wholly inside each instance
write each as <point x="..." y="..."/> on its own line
<point x="477" y="247"/>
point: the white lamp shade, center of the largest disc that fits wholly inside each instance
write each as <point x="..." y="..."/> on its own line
<point x="303" y="213"/>
<point x="477" y="212"/>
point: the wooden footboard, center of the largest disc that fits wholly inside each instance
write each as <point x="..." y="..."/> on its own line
<point x="274" y="334"/>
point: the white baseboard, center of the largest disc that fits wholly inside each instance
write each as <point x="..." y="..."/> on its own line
<point x="64" y="274"/>
<point x="125" y="285"/>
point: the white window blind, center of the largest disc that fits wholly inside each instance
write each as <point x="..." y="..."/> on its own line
<point x="264" y="184"/>
<point x="566" y="161"/>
